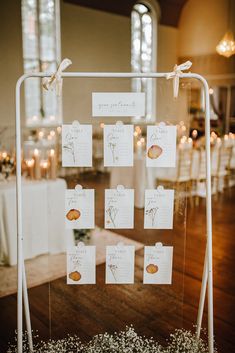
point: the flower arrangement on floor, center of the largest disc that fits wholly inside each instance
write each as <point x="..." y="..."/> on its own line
<point x="127" y="341"/>
<point x="83" y="235"/>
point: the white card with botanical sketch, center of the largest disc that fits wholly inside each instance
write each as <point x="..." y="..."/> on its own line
<point x="79" y="208"/>
<point x="119" y="208"/>
<point x="161" y="146"/>
<point x="81" y="264"/>
<point x="159" y="208"/>
<point x="118" y="145"/>
<point x="120" y="261"/>
<point x="76" y="145"/>
<point x="158" y="262"/>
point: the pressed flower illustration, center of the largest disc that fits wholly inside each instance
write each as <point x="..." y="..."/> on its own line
<point x="112" y="213"/>
<point x="151" y="268"/>
<point x="151" y="213"/>
<point x="154" y="152"/>
<point x="75" y="276"/>
<point x="73" y="214"/>
<point x="69" y="147"/>
<point x="112" y="145"/>
<point x="113" y="269"/>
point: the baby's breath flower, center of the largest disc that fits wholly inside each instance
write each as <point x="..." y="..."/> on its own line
<point x="126" y="341"/>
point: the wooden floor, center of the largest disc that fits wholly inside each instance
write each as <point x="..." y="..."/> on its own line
<point x="153" y="310"/>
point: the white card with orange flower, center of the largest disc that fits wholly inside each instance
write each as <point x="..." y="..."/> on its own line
<point x="158" y="261"/>
<point x="118" y="145"/>
<point x="120" y="261"/>
<point x="159" y="208"/>
<point x="79" y="208"/>
<point x="81" y="264"/>
<point x="119" y="208"/>
<point x="161" y="146"/>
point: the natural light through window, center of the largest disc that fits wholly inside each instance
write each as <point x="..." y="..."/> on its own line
<point x="142" y="55"/>
<point x="41" y="52"/>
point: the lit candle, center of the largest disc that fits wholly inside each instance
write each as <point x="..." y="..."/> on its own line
<point x="194" y="134"/>
<point x="139" y="148"/>
<point x="53" y="164"/>
<point x="40" y="135"/>
<point x="37" y="171"/>
<point x="44" y="168"/>
<point x="30" y="165"/>
<point x="4" y="155"/>
<point x="59" y="129"/>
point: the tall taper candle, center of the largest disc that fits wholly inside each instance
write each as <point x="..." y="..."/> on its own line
<point x="37" y="168"/>
<point x="53" y="162"/>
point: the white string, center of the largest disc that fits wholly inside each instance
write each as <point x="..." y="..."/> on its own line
<point x="56" y="81"/>
<point x="175" y="75"/>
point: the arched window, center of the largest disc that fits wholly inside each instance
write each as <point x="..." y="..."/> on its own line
<point x="41" y="52"/>
<point x="143" y="54"/>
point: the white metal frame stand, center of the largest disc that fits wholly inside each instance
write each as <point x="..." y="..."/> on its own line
<point x="207" y="279"/>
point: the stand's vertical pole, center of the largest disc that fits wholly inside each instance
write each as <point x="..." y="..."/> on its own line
<point x="202" y="296"/>
<point x="27" y="311"/>
<point x="19" y="224"/>
<point x="209" y="220"/>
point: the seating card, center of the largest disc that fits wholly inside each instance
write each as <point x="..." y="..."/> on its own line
<point x="158" y="264"/>
<point x="119" y="208"/>
<point x="76" y="145"/>
<point x="159" y="207"/>
<point x="120" y="262"/>
<point x="118" y="145"/>
<point x="118" y="104"/>
<point x="161" y="146"/>
<point x="79" y="208"/>
<point x="81" y="264"/>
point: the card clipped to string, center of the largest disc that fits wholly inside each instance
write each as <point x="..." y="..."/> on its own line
<point x="81" y="264"/>
<point x="120" y="263"/>
<point x="118" y="145"/>
<point x="119" y="208"/>
<point x="76" y="145"/>
<point x="158" y="262"/>
<point x="79" y="208"/>
<point x="161" y="146"/>
<point x="159" y="208"/>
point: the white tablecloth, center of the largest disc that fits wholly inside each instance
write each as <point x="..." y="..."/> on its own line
<point x="43" y="219"/>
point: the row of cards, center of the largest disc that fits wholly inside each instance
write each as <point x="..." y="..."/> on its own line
<point x="118" y="145"/>
<point x="119" y="208"/>
<point x="120" y="262"/>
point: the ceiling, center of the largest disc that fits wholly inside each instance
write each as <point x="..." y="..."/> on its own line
<point x="170" y="9"/>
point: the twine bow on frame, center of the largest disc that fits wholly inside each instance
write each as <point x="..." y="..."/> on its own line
<point x="175" y="75"/>
<point x="56" y="81"/>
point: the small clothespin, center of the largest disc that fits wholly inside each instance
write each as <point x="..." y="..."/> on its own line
<point x="175" y="75"/>
<point x="56" y="81"/>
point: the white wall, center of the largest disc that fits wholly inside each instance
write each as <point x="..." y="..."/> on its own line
<point x="95" y="41"/>
<point x="11" y="64"/>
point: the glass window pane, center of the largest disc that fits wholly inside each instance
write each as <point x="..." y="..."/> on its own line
<point x="142" y="53"/>
<point x="29" y="25"/>
<point x="47" y="30"/>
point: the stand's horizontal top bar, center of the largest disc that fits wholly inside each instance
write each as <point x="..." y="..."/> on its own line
<point x="111" y="74"/>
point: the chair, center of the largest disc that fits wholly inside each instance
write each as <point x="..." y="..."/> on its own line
<point x="220" y="175"/>
<point x="182" y="175"/>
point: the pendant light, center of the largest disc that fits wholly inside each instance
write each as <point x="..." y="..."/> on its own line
<point x="226" y="46"/>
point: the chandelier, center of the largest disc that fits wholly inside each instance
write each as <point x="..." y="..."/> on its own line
<point x="226" y="46"/>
